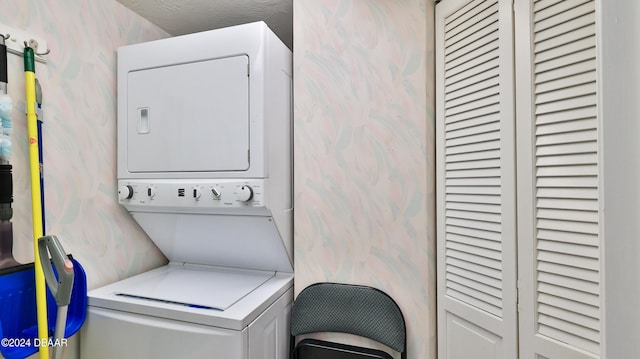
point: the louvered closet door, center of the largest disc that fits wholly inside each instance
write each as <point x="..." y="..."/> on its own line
<point x="558" y="206"/>
<point x="475" y="189"/>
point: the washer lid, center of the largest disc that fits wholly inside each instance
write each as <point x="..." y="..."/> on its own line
<point x="206" y="289"/>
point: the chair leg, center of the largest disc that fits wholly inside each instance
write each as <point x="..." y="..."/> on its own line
<point x="292" y="345"/>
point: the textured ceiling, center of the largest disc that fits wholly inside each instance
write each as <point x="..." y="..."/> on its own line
<point x="179" y="17"/>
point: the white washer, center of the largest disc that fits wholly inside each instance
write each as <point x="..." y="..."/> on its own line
<point x="204" y="166"/>
<point x="152" y="320"/>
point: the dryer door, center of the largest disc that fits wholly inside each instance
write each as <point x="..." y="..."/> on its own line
<point x="189" y="117"/>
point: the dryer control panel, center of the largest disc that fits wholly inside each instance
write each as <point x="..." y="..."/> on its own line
<point x="204" y="194"/>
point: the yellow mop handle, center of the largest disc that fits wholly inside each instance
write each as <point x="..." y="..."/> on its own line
<point x="36" y="207"/>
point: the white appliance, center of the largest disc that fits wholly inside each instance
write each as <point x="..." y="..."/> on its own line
<point x="204" y="166"/>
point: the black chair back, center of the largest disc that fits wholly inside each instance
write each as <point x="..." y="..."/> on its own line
<point x="352" y="309"/>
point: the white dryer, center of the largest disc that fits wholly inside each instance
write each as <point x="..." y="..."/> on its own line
<point x="204" y="166"/>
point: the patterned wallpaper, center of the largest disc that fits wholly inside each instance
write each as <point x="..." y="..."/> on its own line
<point x="364" y="178"/>
<point x="364" y="152"/>
<point x="79" y="101"/>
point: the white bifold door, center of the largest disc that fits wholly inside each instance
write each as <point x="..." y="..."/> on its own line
<point x="517" y="179"/>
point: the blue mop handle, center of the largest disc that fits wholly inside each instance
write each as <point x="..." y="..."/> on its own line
<point x="39" y="118"/>
<point x="41" y="161"/>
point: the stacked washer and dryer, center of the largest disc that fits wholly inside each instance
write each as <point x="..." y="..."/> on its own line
<point x="205" y="168"/>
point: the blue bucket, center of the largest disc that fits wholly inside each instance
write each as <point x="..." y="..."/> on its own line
<point x="18" y="321"/>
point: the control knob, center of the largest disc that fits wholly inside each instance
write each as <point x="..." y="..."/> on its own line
<point x="216" y="192"/>
<point x="125" y="192"/>
<point x="245" y="193"/>
<point x="197" y="193"/>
